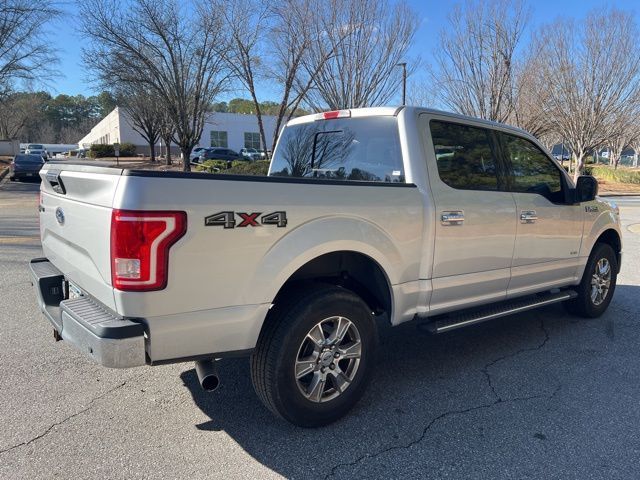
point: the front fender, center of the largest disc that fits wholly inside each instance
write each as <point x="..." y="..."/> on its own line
<point x="325" y="235"/>
<point x="594" y="227"/>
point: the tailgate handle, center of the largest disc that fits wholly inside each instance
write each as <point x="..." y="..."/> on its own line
<point x="56" y="182"/>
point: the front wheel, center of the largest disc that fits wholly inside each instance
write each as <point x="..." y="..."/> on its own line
<point x="597" y="285"/>
<point x="314" y="358"/>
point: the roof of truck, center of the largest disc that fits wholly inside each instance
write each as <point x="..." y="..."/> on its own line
<point x="392" y="111"/>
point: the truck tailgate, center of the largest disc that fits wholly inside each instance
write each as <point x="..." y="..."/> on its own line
<point x="75" y="222"/>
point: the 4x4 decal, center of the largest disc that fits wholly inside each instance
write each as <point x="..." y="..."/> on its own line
<point x="228" y="219"/>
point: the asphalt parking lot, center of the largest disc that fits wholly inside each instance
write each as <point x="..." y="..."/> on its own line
<point x="537" y="395"/>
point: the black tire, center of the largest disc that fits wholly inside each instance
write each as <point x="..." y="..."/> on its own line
<point x="583" y="305"/>
<point x="282" y="340"/>
<point x="13" y="179"/>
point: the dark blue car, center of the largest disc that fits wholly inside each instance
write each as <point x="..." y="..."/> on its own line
<point x="25" y="166"/>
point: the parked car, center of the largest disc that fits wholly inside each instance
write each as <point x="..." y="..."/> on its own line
<point x="196" y="152"/>
<point x="218" y="153"/>
<point x="250" y="153"/>
<point x="36" y="149"/>
<point x="25" y="166"/>
<point x="264" y="154"/>
<point x="360" y="220"/>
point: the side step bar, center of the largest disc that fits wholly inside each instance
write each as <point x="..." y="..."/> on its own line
<point x="445" y="323"/>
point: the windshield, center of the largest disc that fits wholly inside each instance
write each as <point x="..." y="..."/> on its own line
<point x="35" y="146"/>
<point x="357" y="149"/>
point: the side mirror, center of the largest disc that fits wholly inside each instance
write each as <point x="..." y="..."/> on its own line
<point x="586" y="188"/>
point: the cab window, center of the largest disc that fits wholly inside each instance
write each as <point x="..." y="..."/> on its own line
<point x="464" y="156"/>
<point x="530" y="170"/>
<point x="352" y="149"/>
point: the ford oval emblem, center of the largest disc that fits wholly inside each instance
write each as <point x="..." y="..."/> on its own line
<point x="60" y="216"/>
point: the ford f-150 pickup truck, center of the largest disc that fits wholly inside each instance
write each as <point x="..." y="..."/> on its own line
<point x="367" y="215"/>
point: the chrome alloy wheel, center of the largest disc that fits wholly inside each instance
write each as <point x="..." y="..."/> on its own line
<point x="328" y="359"/>
<point x="600" y="281"/>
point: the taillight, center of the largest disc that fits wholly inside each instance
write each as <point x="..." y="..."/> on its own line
<point x="140" y="243"/>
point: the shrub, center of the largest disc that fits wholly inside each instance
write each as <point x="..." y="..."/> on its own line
<point x="259" y="167"/>
<point x="238" y="167"/>
<point x="127" y="150"/>
<point x="102" y="151"/>
<point x="619" y="175"/>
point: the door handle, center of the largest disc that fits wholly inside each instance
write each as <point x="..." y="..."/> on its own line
<point x="528" y="216"/>
<point x="455" y="217"/>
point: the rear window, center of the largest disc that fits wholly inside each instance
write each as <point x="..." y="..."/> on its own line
<point x="35" y="146"/>
<point x="356" y="149"/>
<point x="24" y="159"/>
<point x="464" y="156"/>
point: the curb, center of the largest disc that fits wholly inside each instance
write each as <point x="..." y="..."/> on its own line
<point x="619" y="194"/>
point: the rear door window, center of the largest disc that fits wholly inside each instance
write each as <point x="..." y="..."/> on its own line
<point x="357" y="149"/>
<point x="464" y="156"/>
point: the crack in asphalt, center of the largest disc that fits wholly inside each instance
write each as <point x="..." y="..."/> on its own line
<point x="449" y="413"/>
<point x="485" y="369"/>
<point x="498" y="400"/>
<point x="66" y="419"/>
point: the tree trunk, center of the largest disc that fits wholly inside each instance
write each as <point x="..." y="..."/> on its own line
<point x="167" y="144"/>
<point x="579" y="164"/>
<point x="152" y="151"/>
<point x="186" y="163"/>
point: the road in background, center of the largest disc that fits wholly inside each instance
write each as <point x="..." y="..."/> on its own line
<point x="535" y="395"/>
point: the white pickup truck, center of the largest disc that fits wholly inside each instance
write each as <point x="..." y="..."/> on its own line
<point x="389" y="214"/>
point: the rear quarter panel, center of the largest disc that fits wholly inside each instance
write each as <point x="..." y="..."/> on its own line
<point x="213" y="267"/>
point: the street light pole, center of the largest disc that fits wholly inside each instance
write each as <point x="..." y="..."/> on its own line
<point x="404" y="81"/>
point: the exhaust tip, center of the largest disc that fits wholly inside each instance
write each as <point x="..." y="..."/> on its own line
<point x="207" y="375"/>
<point x="210" y="383"/>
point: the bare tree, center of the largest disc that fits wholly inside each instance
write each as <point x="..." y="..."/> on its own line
<point x="476" y="57"/>
<point x="144" y="111"/>
<point x="625" y="134"/>
<point x="367" y="41"/>
<point x="246" y="22"/>
<point x="592" y="77"/>
<point x="297" y="31"/>
<point x="17" y="111"/>
<point x="531" y="101"/>
<point x="172" y="48"/>
<point x="167" y="133"/>
<point x="25" y="53"/>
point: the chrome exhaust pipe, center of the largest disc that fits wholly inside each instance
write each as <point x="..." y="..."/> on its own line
<point x="207" y="374"/>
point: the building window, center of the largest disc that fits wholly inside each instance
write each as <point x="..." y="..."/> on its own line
<point x="219" y="139"/>
<point x="252" y="140"/>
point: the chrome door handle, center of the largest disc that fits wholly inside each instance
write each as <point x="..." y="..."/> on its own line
<point x="528" y="216"/>
<point x="455" y="217"/>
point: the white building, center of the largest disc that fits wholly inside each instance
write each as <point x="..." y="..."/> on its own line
<point x="229" y="130"/>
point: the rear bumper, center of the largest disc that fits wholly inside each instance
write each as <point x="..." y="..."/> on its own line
<point x="90" y="327"/>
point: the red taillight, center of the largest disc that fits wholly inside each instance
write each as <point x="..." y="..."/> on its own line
<point x="140" y="243"/>
<point x="333" y="114"/>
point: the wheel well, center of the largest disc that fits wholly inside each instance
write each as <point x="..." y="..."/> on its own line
<point x="352" y="270"/>
<point x="612" y="238"/>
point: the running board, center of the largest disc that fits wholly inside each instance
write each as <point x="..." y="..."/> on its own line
<point x="445" y="323"/>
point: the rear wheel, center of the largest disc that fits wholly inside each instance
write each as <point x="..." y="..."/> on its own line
<point x="314" y="358"/>
<point x="597" y="285"/>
